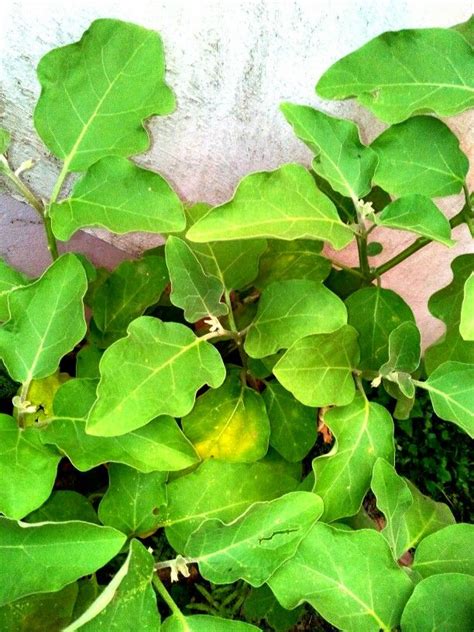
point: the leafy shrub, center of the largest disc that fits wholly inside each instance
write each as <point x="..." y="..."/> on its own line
<point x="240" y="328"/>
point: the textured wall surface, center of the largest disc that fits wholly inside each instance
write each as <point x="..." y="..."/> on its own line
<point x="230" y="64"/>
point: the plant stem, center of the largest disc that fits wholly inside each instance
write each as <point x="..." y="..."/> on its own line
<point x="167" y="598"/>
<point x="354" y="271"/>
<point x="420" y="243"/>
<point x="33" y="201"/>
<point x="237" y="334"/>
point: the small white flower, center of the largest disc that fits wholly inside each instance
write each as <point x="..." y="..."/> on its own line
<point x="366" y="209"/>
<point x="177" y="566"/>
<point x="24" y="406"/>
<point x="214" y="325"/>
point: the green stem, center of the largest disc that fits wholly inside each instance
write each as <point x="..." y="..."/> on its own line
<point x="342" y="266"/>
<point x="36" y="203"/>
<point x="168" y="599"/>
<point x="361" y="240"/>
<point x="238" y="337"/>
<point x="468" y="210"/>
<point x="420" y="243"/>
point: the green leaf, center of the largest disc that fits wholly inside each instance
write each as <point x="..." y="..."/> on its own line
<point x="204" y="623"/>
<point x="158" y="446"/>
<point x="290" y="310"/>
<point x="226" y="490"/>
<point x="118" y="195"/>
<point x="196" y="292"/>
<point x="132" y="500"/>
<point x="27" y="469"/>
<point x="394" y="498"/>
<point x="404" y="352"/>
<point x="126" y="294"/>
<point x="37" y="613"/>
<point x="87" y="362"/>
<point x="293" y="426"/>
<point x="349" y="577"/>
<point x="375" y="312"/>
<point x="46" y="321"/>
<point x="374" y="248"/>
<point x="420" y="156"/>
<point x="442" y="602"/>
<point x="363" y="432"/>
<point x="318" y="369"/>
<point x="10" y="279"/>
<point x="466" y="29"/>
<point x="235" y="263"/>
<point x="399" y="74"/>
<point x="298" y="259"/>
<point x="139" y="376"/>
<point x="446" y="551"/>
<point x="260" y="604"/>
<point x="5" y="139"/>
<point x="283" y="204"/>
<point x="446" y="304"/>
<point x="55" y="555"/>
<point x="451" y="390"/>
<point x="128" y="600"/>
<point x="254" y="545"/>
<point x="341" y="158"/>
<point x="466" y="325"/>
<point x="229" y="423"/>
<point x="417" y="214"/>
<point x="97" y="92"/>
<point x="63" y="506"/>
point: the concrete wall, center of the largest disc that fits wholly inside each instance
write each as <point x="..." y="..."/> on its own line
<point x="230" y="64"/>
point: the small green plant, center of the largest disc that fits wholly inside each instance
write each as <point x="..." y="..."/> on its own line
<point x="198" y="385"/>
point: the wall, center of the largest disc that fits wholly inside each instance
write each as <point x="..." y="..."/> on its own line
<point x="230" y="64"/>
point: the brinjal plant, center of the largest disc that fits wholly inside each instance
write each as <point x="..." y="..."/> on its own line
<point x="210" y="425"/>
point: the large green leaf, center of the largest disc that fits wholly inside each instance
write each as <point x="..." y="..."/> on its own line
<point x="394" y="498"/>
<point x="349" y="577"/>
<point x="132" y="500"/>
<point x="118" y="195"/>
<point x="55" y="555"/>
<point x="235" y="263"/>
<point x="466" y="325"/>
<point x="290" y="310"/>
<point x="205" y="623"/>
<point x="297" y="259"/>
<point x="62" y="506"/>
<point x="293" y="426"/>
<point x="375" y="312"/>
<point x="341" y="158"/>
<point x="196" y="292"/>
<point x="441" y="602"/>
<point x="158" y="446"/>
<point x="226" y="490"/>
<point x="254" y="545"/>
<point x="10" y="279"/>
<point x="128" y="600"/>
<point x="37" y="613"/>
<point x="284" y="204"/>
<point x="363" y="432"/>
<point x="449" y="550"/>
<point x="406" y="72"/>
<point x="46" y="321"/>
<point x="97" y="92"/>
<point x="403" y="357"/>
<point x="318" y="369"/>
<point x="446" y="304"/>
<point x="451" y="390"/>
<point x="126" y="293"/>
<point x="155" y="370"/>
<point x="27" y="469"/>
<point x="417" y="214"/>
<point x="420" y="156"/>
<point x="229" y="423"/>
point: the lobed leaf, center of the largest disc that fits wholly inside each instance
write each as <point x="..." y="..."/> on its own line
<point x="255" y="544"/>
<point x="290" y="310"/>
<point x="156" y="370"/>
<point x="363" y="432"/>
<point x="446" y="551"/>
<point x="318" y="369"/>
<point x="281" y="204"/>
<point x="404" y="353"/>
<point x="97" y="92"/>
<point x="63" y="506"/>
<point x="55" y="554"/>
<point x="401" y="73"/>
<point x="10" y="279"/>
<point x="46" y="321"/>
<point x="466" y="324"/>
